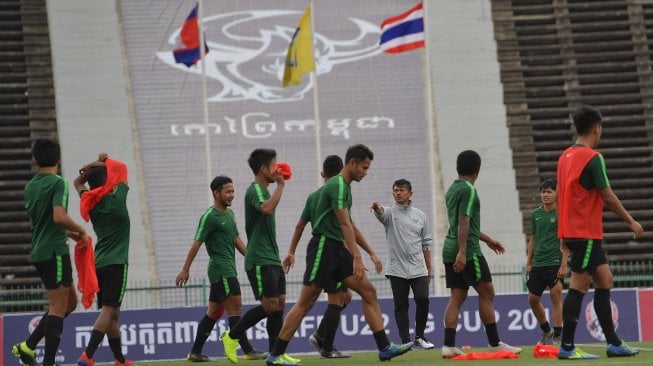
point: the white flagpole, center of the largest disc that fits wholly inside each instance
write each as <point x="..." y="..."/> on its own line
<point x="437" y="190"/>
<point x="205" y="105"/>
<point x="316" y="104"/>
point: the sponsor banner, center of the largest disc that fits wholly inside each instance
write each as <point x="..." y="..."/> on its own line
<point x="646" y="313"/>
<point x="157" y="334"/>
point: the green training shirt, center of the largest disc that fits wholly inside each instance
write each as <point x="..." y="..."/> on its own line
<point x="218" y="231"/>
<point x="308" y="213"/>
<point x="42" y="193"/>
<point x="334" y="194"/>
<point x="544" y="226"/>
<point x="262" y="246"/>
<point x="110" y="220"/>
<point x="462" y="199"/>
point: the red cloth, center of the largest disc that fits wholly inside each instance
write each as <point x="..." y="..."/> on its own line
<point x="116" y="173"/>
<point x="486" y="356"/>
<point x="86" y="276"/>
<point x="284" y="168"/>
<point x="580" y="212"/>
<point x="545" y="351"/>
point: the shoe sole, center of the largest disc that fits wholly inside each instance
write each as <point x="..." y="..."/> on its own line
<point x="629" y="355"/>
<point x="397" y="355"/>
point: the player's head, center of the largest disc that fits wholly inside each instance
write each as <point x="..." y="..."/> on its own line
<point x="223" y="190"/>
<point x="96" y="177"/>
<point x="331" y="166"/>
<point x="587" y="121"/>
<point x="402" y="190"/>
<point x="548" y="194"/>
<point x="46" y="153"/>
<point x="358" y="160"/>
<point x="468" y="163"/>
<point x="262" y="162"/>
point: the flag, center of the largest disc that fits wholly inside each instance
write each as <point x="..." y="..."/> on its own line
<point x="403" y="32"/>
<point x="299" y="59"/>
<point x="190" y="38"/>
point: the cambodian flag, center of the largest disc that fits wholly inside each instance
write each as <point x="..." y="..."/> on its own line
<point x="403" y="32"/>
<point x="190" y="38"/>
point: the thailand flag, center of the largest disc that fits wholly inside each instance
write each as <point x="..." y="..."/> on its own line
<point x="403" y="32"/>
<point x="190" y="38"/>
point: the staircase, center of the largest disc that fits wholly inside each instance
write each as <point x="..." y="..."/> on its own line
<point x="27" y="112"/>
<point x="556" y="55"/>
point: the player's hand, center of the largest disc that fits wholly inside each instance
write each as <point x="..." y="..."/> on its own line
<point x="430" y="275"/>
<point x="359" y="268"/>
<point x="278" y="177"/>
<point x="562" y="272"/>
<point x="564" y="249"/>
<point x="496" y="246"/>
<point x="73" y="235"/>
<point x="182" y="278"/>
<point x="528" y="270"/>
<point x="636" y="228"/>
<point x="288" y="263"/>
<point x="378" y="264"/>
<point x="461" y="262"/>
<point x="83" y="239"/>
<point x="103" y="157"/>
<point x="376" y="207"/>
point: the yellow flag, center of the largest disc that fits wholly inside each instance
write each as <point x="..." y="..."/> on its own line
<point x="299" y="59"/>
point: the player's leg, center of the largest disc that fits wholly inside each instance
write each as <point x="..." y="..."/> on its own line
<point x="274" y="300"/>
<point x="59" y="299"/>
<point x="556" y="311"/>
<point x="400" y="290"/>
<point x="322" y="340"/>
<point x="420" y="287"/>
<point x="536" y="284"/>
<point x="218" y="303"/>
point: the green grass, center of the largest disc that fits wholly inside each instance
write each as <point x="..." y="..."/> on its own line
<point x="420" y="357"/>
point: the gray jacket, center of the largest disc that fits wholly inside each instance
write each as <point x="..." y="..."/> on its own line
<point x="408" y="234"/>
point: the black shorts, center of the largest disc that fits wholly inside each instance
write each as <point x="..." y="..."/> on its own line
<point x="586" y="255"/>
<point x="476" y="270"/>
<point x="328" y="262"/>
<point x="227" y="286"/>
<point x="542" y="277"/>
<point x="267" y="281"/>
<point x="55" y="272"/>
<point x="336" y="288"/>
<point x="112" y="280"/>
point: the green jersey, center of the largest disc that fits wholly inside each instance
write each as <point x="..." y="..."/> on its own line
<point x="462" y="199"/>
<point x="262" y="246"/>
<point x="42" y="193"/>
<point x="594" y="175"/>
<point x="544" y="227"/>
<point x="308" y="214"/>
<point x="218" y="231"/>
<point x="334" y="194"/>
<point x="110" y="220"/>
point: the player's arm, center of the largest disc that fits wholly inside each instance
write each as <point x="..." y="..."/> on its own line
<point x="562" y="272"/>
<point x="427" y="242"/>
<point x="268" y="207"/>
<point x="182" y="277"/>
<point x="61" y="218"/>
<point x="342" y="215"/>
<point x="362" y="242"/>
<point x="240" y="245"/>
<point x="463" y="234"/>
<point x="495" y="245"/>
<point x="529" y="256"/>
<point x="614" y="204"/>
<point x="380" y="212"/>
<point x="80" y="184"/>
<point x="289" y="261"/>
<point x="427" y="261"/>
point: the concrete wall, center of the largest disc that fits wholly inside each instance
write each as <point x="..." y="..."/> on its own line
<point x="93" y="107"/>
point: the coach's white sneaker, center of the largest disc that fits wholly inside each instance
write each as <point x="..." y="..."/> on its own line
<point x="505" y="347"/>
<point x="450" y="352"/>
<point x="423" y="343"/>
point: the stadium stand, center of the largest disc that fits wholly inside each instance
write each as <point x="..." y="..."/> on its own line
<point x="558" y="54"/>
<point x="26" y="112"/>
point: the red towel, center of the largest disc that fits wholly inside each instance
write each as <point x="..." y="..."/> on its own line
<point x="486" y="355"/>
<point x="545" y="351"/>
<point x="86" y="276"/>
<point x="284" y="168"/>
<point x="116" y="173"/>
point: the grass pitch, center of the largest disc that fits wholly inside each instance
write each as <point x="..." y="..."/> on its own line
<point x="421" y="357"/>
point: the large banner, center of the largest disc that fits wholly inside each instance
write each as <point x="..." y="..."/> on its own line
<point x="365" y="96"/>
<point x="169" y="333"/>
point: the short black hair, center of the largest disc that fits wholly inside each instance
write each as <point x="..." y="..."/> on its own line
<point x="218" y="182"/>
<point x="468" y="163"/>
<point x="403" y="183"/>
<point x="259" y="158"/>
<point x="96" y="177"/>
<point x="332" y="166"/>
<point x="359" y="152"/>
<point x="585" y="117"/>
<point x="549" y="183"/>
<point x="46" y="152"/>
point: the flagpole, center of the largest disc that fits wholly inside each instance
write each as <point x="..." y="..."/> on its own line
<point x="437" y="188"/>
<point x="205" y="105"/>
<point x="316" y="104"/>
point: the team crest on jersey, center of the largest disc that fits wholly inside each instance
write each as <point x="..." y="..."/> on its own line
<point x="592" y="319"/>
<point x="248" y="51"/>
<point x="553" y="219"/>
